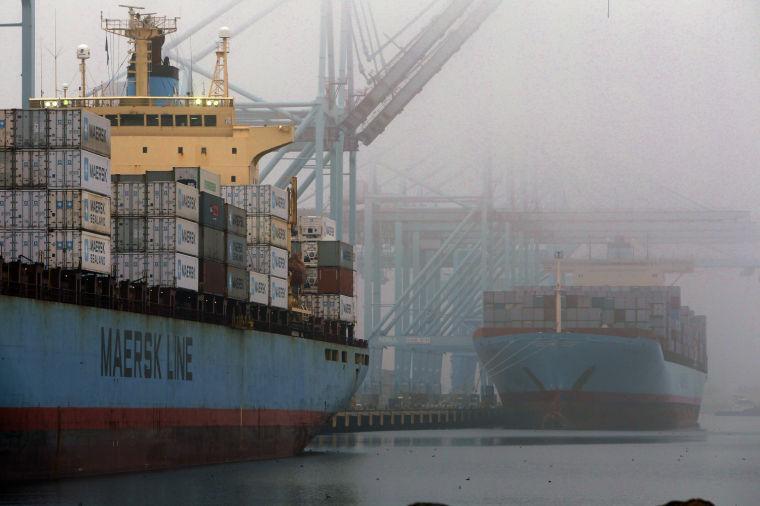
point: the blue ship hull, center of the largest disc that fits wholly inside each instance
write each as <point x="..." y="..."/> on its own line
<point x="589" y="381"/>
<point x="89" y="391"/>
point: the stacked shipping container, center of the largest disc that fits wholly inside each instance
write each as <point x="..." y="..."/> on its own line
<point x="267" y="240"/>
<point x="54" y="188"/>
<point x="222" y="251"/>
<point x="157" y="236"/>
<point x="329" y="285"/>
<point x="655" y="310"/>
<point x="60" y="205"/>
<point x="201" y="179"/>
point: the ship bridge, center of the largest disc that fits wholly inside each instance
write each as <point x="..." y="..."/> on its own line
<point x="150" y="132"/>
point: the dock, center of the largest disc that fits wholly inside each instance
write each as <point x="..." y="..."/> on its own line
<point x="379" y="420"/>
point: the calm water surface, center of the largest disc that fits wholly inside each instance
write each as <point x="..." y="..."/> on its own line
<point x="720" y="462"/>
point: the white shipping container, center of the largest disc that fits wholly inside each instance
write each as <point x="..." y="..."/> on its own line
<point x="240" y="196"/>
<point x="278" y="292"/>
<point x="128" y="233"/>
<point x="129" y="198"/>
<point x="331" y="307"/>
<point x="77" y="169"/>
<point x="30" y="206"/>
<point x="26" y="168"/>
<point x="25" y="245"/>
<point x="172" y="270"/>
<point x="272" y="200"/>
<point x="75" y="128"/>
<point x="268" y="230"/>
<point x="7" y="170"/>
<point x="188" y="202"/>
<point x="6" y="208"/>
<point x="259" y="288"/>
<point x="268" y="260"/>
<point x="310" y="252"/>
<point x="20" y="209"/>
<point x="129" y="266"/>
<point x="347" y="309"/>
<point x="75" y="209"/>
<point x="258" y="199"/>
<point x="173" y="234"/>
<point x="325" y="306"/>
<point x="23" y="128"/>
<point x="168" y="198"/>
<point x="311" y="280"/>
<point x="55" y="129"/>
<point x="310" y="303"/>
<point x="75" y="249"/>
<point x="316" y="228"/>
<point x="200" y="179"/>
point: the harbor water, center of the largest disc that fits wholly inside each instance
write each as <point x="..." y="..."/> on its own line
<point x="720" y="462"/>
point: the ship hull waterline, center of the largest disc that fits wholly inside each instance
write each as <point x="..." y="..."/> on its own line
<point x="589" y="382"/>
<point x="88" y="391"/>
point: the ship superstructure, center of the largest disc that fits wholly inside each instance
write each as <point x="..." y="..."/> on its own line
<point x="153" y="129"/>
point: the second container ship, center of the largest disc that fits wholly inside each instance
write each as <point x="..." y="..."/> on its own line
<point x="615" y="351"/>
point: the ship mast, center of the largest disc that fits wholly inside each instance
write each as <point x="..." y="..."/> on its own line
<point x="140" y="28"/>
<point x="558" y="292"/>
<point x="83" y="54"/>
<point x="219" y="85"/>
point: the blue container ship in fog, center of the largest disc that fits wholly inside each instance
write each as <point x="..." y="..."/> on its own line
<point x="624" y="357"/>
<point x="587" y="380"/>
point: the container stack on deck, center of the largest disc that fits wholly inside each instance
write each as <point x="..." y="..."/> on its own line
<point x="329" y="285"/>
<point x="54" y="188"/>
<point x="143" y="243"/>
<point x="267" y="240"/>
<point x="157" y="237"/>
<point x="211" y="257"/>
<point x="218" y="276"/>
<point x="654" y="310"/>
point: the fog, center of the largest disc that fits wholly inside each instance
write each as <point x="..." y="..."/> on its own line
<point x="654" y="106"/>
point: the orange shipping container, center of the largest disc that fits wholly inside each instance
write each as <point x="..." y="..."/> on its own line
<point x="335" y="280"/>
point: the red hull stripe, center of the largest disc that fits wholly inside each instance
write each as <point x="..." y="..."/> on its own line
<point x="569" y="395"/>
<point x="29" y="419"/>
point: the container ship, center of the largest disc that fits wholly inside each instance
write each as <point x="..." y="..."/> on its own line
<point x="153" y="294"/>
<point x="616" y="351"/>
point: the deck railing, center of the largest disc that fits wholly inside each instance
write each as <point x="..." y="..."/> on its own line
<point x="128" y="101"/>
<point x="34" y="281"/>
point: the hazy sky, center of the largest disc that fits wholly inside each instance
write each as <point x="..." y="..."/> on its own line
<point x="657" y="105"/>
<point x="660" y="97"/>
